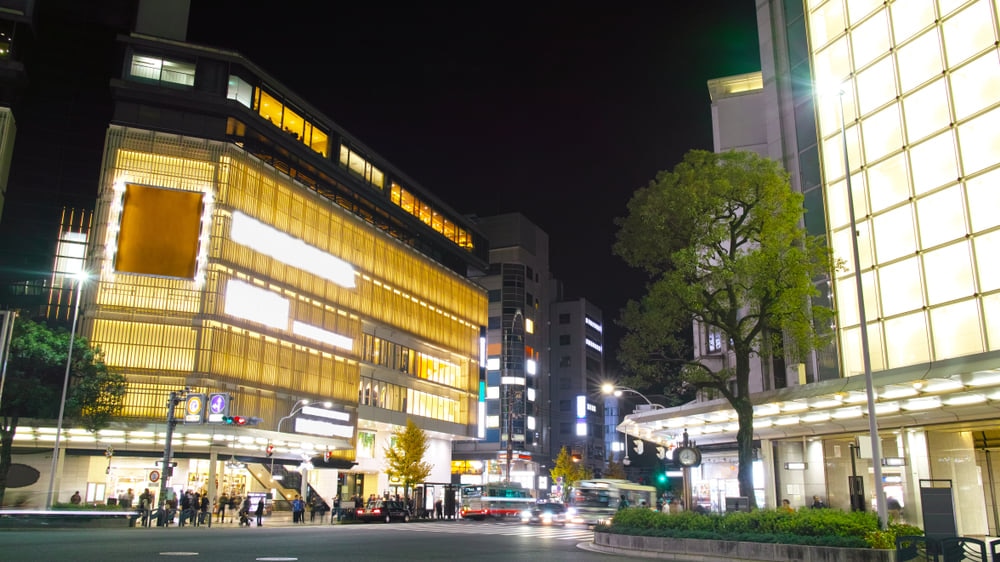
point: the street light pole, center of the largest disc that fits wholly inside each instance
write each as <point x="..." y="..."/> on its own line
<point x="296" y="408"/>
<point x="173" y="401"/>
<point x="616" y="390"/>
<point x="880" y="499"/>
<point x="510" y="396"/>
<point x="80" y="277"/>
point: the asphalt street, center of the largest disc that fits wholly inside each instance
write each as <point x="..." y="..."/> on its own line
<point x="280" y="540"/>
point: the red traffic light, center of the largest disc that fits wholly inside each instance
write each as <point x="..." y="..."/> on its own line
<point x="270" y="449"/>
<point x="235" y="420"/>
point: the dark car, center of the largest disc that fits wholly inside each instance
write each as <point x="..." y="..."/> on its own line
<point x="383" y="511"/>
<point x="548" y="513"/>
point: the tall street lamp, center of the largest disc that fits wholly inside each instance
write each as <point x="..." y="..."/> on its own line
<point x="296" y="408"/>
<point x="510" y="393"/>
<point x="80" y="278"/>
<point x="617" y="390"/>
<point x="865" y="354"/>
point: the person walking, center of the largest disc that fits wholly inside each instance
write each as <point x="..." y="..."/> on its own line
<point x="75" y="499"/>
<point x="245" y="512"/>
<point x="223" y="504"/>
<point x="206" y="510"/>
<point x="260" y="511"/>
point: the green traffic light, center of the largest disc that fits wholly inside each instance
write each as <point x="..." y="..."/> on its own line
<point x="661" y="478"/>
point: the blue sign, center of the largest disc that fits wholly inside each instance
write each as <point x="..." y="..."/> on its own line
<point x="218" y="406"/>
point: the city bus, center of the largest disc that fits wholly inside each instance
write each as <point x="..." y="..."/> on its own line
<point x="594" y="502"/>
<point x="494" y="500"/>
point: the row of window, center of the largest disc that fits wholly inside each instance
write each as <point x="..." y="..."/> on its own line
<point x="173" y="72"/>
<point x="399" y="358"/>
<point x="379" y="394"/>
<point x="429" y="216"/>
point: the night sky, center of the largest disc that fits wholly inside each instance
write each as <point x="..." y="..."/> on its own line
<point x="559" y="111"/>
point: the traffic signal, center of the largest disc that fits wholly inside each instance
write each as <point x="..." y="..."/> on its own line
<point x="270" y="449"/>
<point x="661" y="477"/>
<point x="234" y="420"/>
<point x="327" y="455"/>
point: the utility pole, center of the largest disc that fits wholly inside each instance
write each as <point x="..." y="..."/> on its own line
<point x="175" y="399"/>
<point x="510" y="393"/>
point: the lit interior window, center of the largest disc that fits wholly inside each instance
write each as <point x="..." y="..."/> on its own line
<point x="531" y="367"/>
<point x="493" y="364"/>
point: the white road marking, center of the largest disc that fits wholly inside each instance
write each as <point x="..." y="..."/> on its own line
<point x="178" y="554"/>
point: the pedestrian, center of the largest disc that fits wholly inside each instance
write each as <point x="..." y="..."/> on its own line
<point x="185" y="508"/>
<point x="145" y="506"/>
<point x="260" y="511"/>
<point x="312" y="509"/>
<point x="75" y="499"/>
<point x="439" y="509"/>
<point x="245" y="513"/>
<point x="895" y="510"/>
<point x="223" y="504"/>
<point x="786" y="507"/>
<point x="818" y="503"/>
<point x="196" y="509"/>
<point x="206" y="510"/>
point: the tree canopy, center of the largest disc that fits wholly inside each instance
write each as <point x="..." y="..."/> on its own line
<point x="569" y="469"/>
<point x="721" y="241"/>
<point x="404" y="456"/>
<point x="36" y="369"/>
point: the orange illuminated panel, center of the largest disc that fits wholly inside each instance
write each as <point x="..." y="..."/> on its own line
<point x="159" y="231"/>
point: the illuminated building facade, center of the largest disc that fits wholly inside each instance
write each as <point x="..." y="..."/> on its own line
<point x="243" y="243"/>
<point x="918" y="82"/>
<point x="514" y="393"/>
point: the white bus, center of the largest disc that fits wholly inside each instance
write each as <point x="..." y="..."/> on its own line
<point x="594" y="502"/>
<point x="495" y="500"/>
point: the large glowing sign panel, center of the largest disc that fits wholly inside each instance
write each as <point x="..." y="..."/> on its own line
<point x="243" y="300"/>
<point x="159" y="232"/>
<point x="290" y="251"/>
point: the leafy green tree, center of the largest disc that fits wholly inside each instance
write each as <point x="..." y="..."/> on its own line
<point x="569" y="468"/>
<point x="404" y="457"/>
<point x="721" y="241"/>
<point x="36" y="369"/>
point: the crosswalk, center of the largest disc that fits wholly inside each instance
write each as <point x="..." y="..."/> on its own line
<point x="579" y="534"/>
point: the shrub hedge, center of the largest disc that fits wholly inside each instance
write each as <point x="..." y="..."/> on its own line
<point x="816" y="527"/>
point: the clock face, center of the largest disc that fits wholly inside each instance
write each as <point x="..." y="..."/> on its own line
<point x="688" y="456"/>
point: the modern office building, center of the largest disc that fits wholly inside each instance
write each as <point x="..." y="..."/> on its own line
<point x="514" y="396"/>
<point x="908" y="91"/>
<point x="247" y="252"/>
<point x="577" y="362"/>
<point x="545" y="363"/>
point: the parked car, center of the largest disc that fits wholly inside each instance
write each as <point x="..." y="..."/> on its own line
<point x="383" y="511"/>
<point x="546" y="513"/>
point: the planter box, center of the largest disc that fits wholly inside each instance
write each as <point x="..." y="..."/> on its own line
<point x="719" y="551"/>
